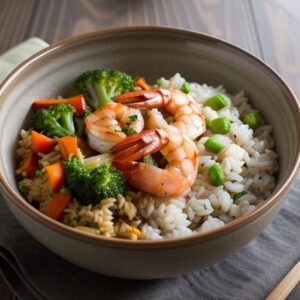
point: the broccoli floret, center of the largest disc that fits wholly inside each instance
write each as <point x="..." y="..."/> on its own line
<point x="55" y="121"/>
<point x="99" y="87"/>
<point x="80" y="125"/>
<point x="90" y="186"/>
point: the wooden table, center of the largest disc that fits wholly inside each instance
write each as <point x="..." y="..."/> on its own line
<point x="270" y="29"/>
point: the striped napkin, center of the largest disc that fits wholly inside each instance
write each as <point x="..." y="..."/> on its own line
<point x="33" y="272"/>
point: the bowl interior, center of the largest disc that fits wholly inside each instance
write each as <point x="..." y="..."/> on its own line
<point x="152" y="53"/>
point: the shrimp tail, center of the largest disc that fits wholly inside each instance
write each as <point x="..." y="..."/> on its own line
<point x="157" y="98"/>
<point x="137" y="146"/>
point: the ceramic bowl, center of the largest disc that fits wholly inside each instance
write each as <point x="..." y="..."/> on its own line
<point x="152" y="52"/>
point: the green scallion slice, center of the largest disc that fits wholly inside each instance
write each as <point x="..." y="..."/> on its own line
<point x="239" y="195"/>
<point x="221" y="125"/>
<point x="254" y="120"/>
<point x="216" y="174"/>
<point x="217" y="102"/>
<point x="186" y="87"/>
<point x="213" y="145"/>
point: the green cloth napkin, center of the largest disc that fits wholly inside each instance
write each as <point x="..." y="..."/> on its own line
<point x="10" y="59"/>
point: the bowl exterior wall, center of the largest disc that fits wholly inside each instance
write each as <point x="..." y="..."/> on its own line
<point x="145" y="264"/>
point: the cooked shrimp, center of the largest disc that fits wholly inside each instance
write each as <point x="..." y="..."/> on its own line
<point x="187" y="112"/>
<point x="179" y="151"/>
<point x="107" y="126"/>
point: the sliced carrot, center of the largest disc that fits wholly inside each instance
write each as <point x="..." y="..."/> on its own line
<point x="29" y="166"/>
<point x="77" y="102"/>
<point x="41" y="143"/>
<point x="141" y="82"/>
<point x="55" y="175"/>
<point x="58" y="204"/>
<point x="68" y="147"/>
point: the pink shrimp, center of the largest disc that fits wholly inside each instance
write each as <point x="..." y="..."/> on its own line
<point x="179" y="151"/>
<point x="107" y="126"/>
<point x="187" y="112"/>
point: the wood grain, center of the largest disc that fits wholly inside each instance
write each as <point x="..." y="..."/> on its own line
<point x="56" y="19"/>
<point x="278" y="26"/>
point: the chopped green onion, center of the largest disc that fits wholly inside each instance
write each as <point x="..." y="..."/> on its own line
<point x="186" y="87"/>
<point x="133" y="118"/>
<point x="217" y="102"/>
<point x="221" y="125"/>
<point x="148" y="159"/>
<point x="213" y="145"/>
<point x="23" y="187"/>
<point x="239" y="195"/>
<point x="129" y="130"/>
<point x="254" y="120"/>
<point x="159" y="82"/>
<point x="216" y="174"/>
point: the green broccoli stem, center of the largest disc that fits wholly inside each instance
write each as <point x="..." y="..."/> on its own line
<point x="55" y="129"/>
<point x="104" y="98"/>
<point x="66" y="121"/>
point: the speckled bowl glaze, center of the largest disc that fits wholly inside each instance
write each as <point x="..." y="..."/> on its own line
<point x="151" y="52"/>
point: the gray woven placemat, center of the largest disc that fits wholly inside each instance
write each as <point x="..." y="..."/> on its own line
<point x="32" y="271"/>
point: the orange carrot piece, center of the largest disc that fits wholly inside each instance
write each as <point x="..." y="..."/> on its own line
<point x="29" y="166"/>
<point x="68" y="146"/>
<point x="55" y="175"/>
<point x="77" y="102"/>
<point x="58" y="204"/>
<point x="141" y="82"/>
<point x="41" y="143"/>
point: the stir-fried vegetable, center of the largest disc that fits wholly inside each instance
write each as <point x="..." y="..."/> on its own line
<point x="93" y="185"/>
<point x="55" y="121"/>
<point x="254" y="120"/>
<point x="213" y="145"/>
<point x="216" y="174"/>
<point x="141" y="82"/>
<point x="220" y="125"/>
<point x="217" y="102"/>
<point x="68" y="147"/>
<point x="41" y="143"/>
<point x="59" y="202"/>
<point x="56" y="176"/>
<point x="77" y="102"/>
<point x="29" y="166"/>
<point x="99" y="87"/>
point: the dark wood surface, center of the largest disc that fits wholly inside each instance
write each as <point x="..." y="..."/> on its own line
<point x="270" y="29"/>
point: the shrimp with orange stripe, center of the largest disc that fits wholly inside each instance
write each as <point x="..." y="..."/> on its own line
<point x="187" y="112"/>
<point x="111" y="124"/>
<point x="178" y="150"/>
